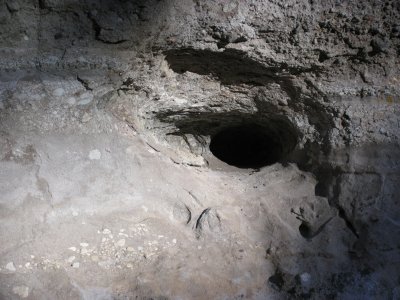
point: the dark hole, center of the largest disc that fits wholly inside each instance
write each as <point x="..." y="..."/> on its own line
<point x="305" y="230"/>
<point x="247" y="146"/>
<point x="277" y="281"/>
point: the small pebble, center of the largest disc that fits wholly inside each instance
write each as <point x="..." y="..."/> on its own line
<point x="94" y="154"/>
<point x="10" y="267"/>
<point x="86" y="98"/>
<point x="72" y="248"/>
<point x="58" y="92"/>
<point x="71" y="259"/>
<point x="305" y="278"/>
<point x="86" y="118"/>
<point x="22" y="291"/>
<point x="71" y="101"/>
<point x="84" y="244"/>
<point x="121" y="243"/>
<point x="75" y="265"/>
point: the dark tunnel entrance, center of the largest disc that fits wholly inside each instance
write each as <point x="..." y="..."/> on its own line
<point x="249" y="146"/>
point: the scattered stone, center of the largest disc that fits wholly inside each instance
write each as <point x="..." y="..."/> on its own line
<point x="72" y="248"/>
<point x="10" y="267"/>
<point x="71" y="100"/>
<point x="86" y="117"/>
<point x="174" y="241"/>
<point x="75" y="213"/>
<point x="182" y="213"/>
<point x="94" y="154"/>
<point x="84" y="244"/>
<point x="305" y="278"/>
<point x="106" y="231"/>
<point x="86" y="98"/>
<point x="75" y="265"/>
<point x="58" y="92"/>
<point x="71" y="259"/>
<point x="209" y="222"/>
<point x="121" y="243"/>
<point x="22" y="291"/>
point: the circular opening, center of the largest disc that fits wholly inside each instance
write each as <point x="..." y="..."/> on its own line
<point x="250" y="145"/>
<point x="305" y="230"/>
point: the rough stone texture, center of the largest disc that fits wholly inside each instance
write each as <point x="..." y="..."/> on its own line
<point x="108" y="189"/>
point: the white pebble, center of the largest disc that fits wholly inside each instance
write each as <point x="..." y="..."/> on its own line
<point x="58" y="92"/>
<point x="10" y="267"/>
<point x="121" y="243"/>
<point x="71" y="101"/>
<point x="84" y="244"/>
<point x="86" y="98"/>
<point x="106" y="231"/>
<point x="75" y="265"/>
<point x="72" y="248"/>
<point x="94" y="154"/>
<point x="71" y="259"/>
<point x="305" y="278"/>
<point x="174" y="241"/>
<point x="22" y="291"/>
